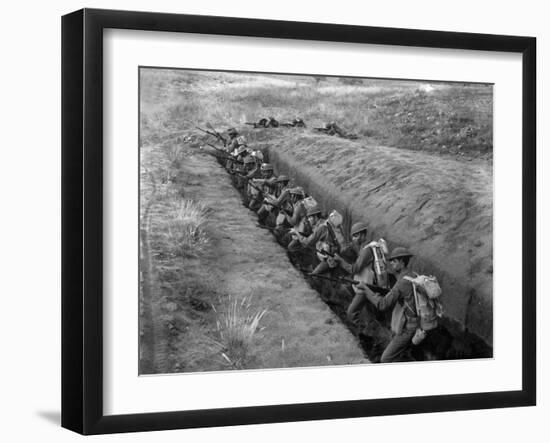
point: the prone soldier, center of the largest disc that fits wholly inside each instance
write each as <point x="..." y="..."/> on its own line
<point x="296" y="122"/>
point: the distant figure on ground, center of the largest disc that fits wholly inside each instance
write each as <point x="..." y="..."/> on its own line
<point x="331" y="128"/>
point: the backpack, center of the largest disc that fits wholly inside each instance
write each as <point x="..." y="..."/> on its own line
<point x="427" y="293"/>
<point x="379" y="265"/>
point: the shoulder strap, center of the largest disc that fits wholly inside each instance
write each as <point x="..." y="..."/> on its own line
<point x="332" y="236"/>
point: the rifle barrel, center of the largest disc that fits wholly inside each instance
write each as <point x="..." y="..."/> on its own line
<point x="335" y="279"/>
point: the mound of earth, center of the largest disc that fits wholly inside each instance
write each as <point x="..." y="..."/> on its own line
<point x="441" y="208"/>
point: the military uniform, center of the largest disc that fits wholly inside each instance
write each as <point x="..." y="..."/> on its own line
<point x="404" y="318"/>
<point x="326" y="244"/>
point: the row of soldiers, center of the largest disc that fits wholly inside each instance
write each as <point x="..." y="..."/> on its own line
<point x="329" y="128"/>
<point x="322" y="248"/>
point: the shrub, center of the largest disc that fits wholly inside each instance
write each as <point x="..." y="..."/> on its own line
<point x="186" y="228"/>
<point x="236" y="324"/>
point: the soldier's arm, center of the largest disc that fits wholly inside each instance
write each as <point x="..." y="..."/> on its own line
<point x="365" y="256"/>
<point x="312" y="240"/>
<point x="297" y="216"/>
<point x="252" y="172"/>
<point x="383" y="303"/>
<point x="284" y="195"/>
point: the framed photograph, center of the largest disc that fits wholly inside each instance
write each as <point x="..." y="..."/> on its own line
<point x="270" y="221"/>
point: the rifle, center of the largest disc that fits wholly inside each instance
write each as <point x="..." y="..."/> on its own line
<point x="261" y="191"/>
<point x="224" y="155"/>
<point x="213" y="134"/>
<point x="218" y="135"/>
<point x="251" y="123"/>
<point x="270" y="228"/>
<point x="321" y="129"/>
<point x="274" y="205"/>
<point x="377" y="289"/>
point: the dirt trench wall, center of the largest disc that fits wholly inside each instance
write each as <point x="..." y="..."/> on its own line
<point x="440" y="208"/>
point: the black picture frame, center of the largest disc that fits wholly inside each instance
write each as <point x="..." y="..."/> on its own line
<point x="82" y="218"/>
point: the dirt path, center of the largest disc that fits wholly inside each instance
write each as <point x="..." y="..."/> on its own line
<point x="242" y="260"/>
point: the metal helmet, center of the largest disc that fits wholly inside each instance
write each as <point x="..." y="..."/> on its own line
<point x="232" y="131"/>
<point x="241" y="141"/>
<point x="241" y="150"/>
<point x="358" y="227"/>
<point x="400" y="252"/>
<point x="313" y="211"/>
<point x="282" y="179"/>
<point x="266" y="167"/>
<point x="298" y="190"/>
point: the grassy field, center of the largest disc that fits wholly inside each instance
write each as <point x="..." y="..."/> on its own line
<point x="444" y="118"/>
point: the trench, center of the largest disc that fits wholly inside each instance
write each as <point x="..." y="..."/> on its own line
<point x="451" y="340"/>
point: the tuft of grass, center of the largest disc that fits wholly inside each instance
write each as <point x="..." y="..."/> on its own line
<point x="236" y="324"/>
<point x="186" y="228"/>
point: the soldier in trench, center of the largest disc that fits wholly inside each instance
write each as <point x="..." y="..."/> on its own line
<point x="232" y="143"/>
<point x="404" y="320"/>
<point x="324" y="240"/>
<point x="267" y="208"/>
<point x="291" y="212"/>
<point x="262" y="186"/>
<point x="248" y="171"/>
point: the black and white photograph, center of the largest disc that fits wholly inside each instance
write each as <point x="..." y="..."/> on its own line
<point x="293" y="221"/>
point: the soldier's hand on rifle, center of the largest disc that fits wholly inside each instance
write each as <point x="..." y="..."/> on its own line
<point x="362" y="287"/>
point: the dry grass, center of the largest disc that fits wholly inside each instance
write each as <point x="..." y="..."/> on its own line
<point x="436" y="117"/>
<point x="236" y="323"/>
<point x="185" y="230"/>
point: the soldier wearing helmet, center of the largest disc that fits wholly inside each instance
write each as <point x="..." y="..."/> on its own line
<point x="232" y="143"/>
<point x="291" y="209"/>
<point x="361" y="269"/>
<point x="270" y="199"/>
<point x="235" y="164"/>
<point x="405" y="320"/>
<point x="262" y="186"/>
<point x="242" y="174"/>
<point x="325" y="240"/>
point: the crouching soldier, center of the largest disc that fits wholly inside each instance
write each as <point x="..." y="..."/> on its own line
<point x="404" y="320"/>
<point x="261" y="186"/>
<point x="270" y="199"/>
<point x="232" y="143"/>
<point x="291" y="211"/>
<point x="249" y="171"/>
<point x="369" y="266"/>
<point x="325" y="241"/>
